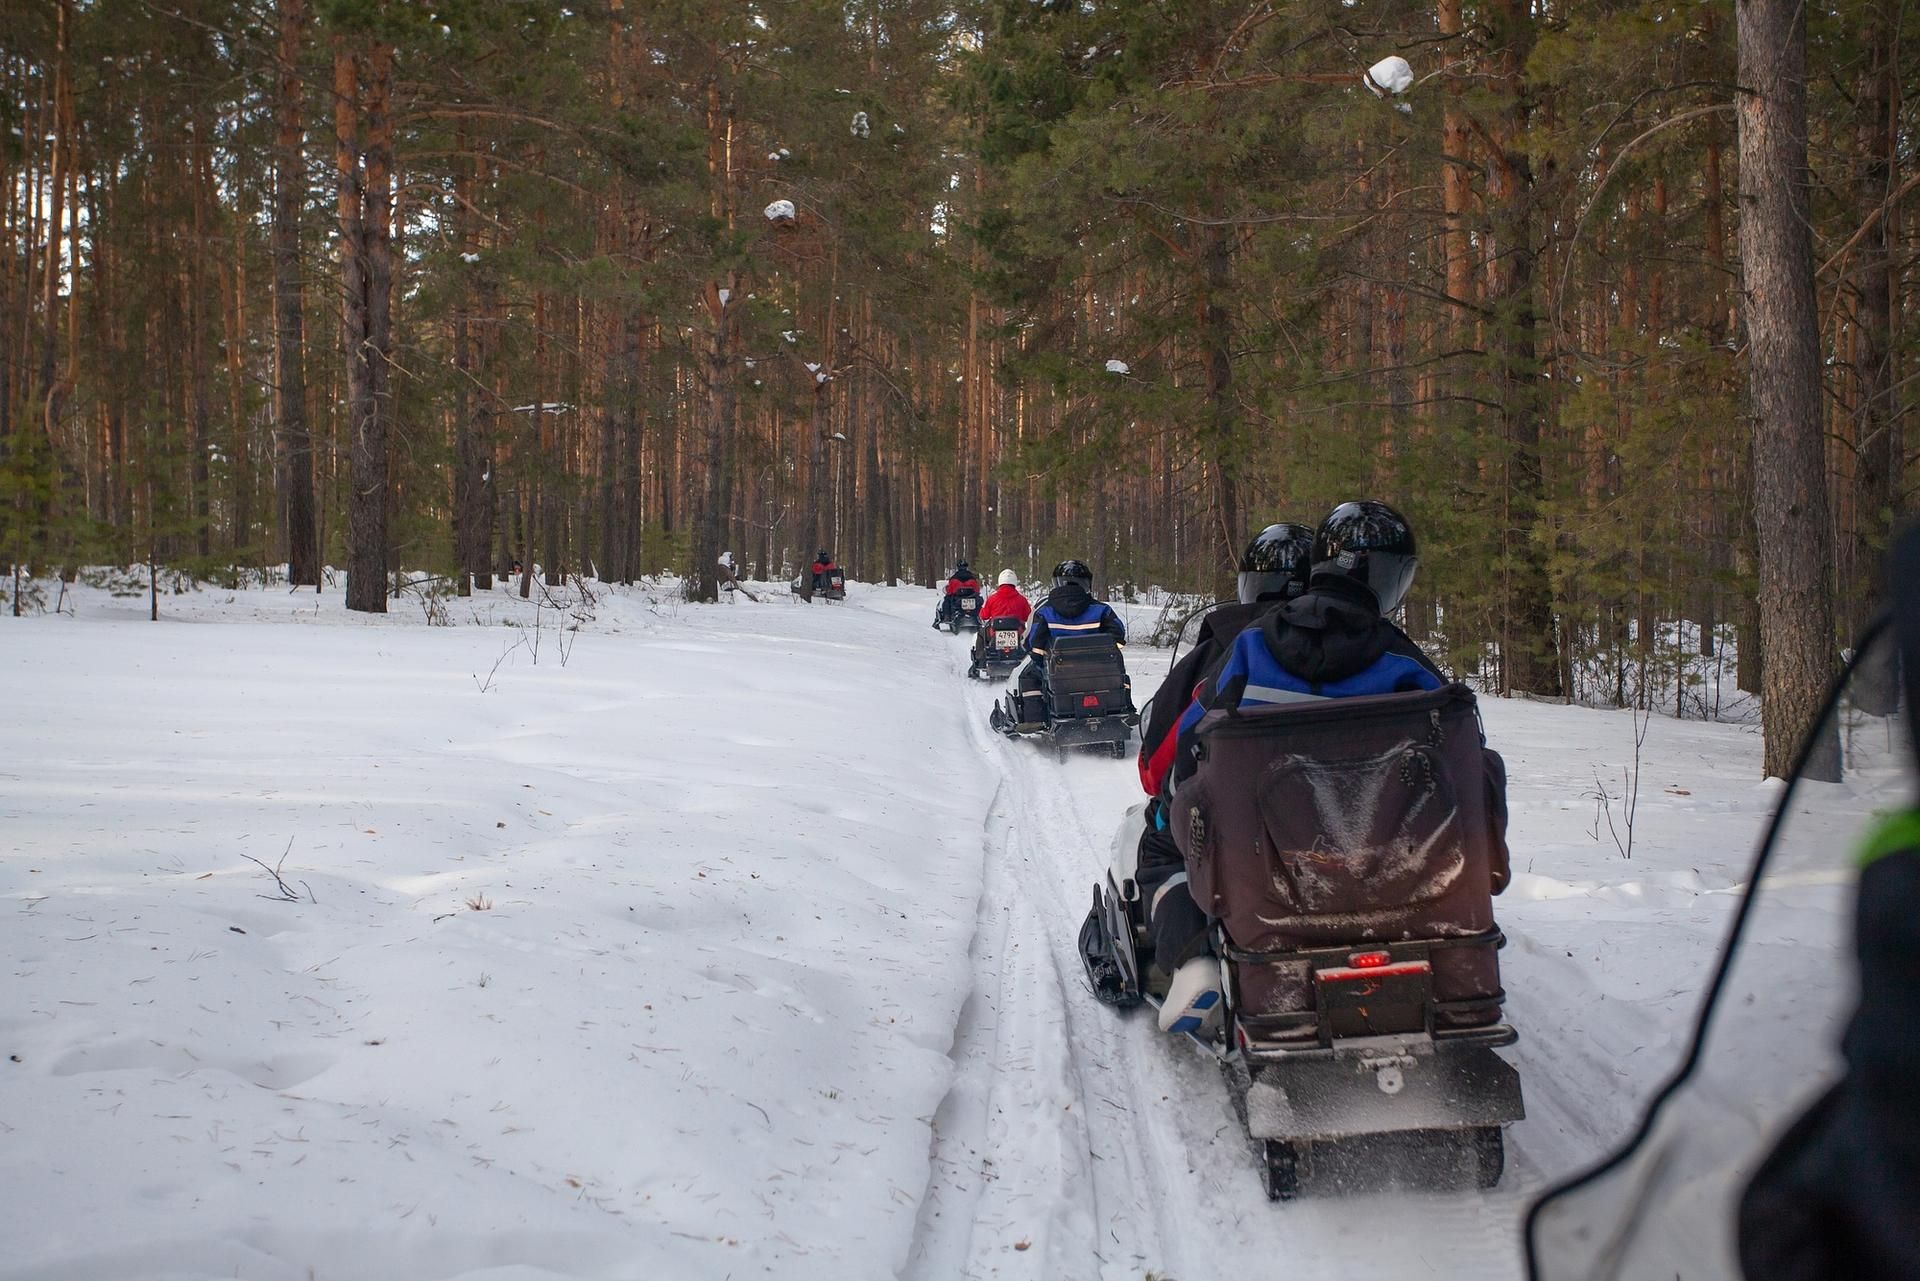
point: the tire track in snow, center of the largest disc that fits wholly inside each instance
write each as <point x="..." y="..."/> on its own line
<point x="1010" y="1193"/>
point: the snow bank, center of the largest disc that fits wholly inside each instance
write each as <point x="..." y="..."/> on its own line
<point x="645" y="965"/>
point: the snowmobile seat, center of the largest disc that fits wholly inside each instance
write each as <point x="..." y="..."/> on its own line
<point x="1087" y="678"/>
<point x="1350" y="850"/>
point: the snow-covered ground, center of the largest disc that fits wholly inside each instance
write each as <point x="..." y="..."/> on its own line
<point x="732" y="946"/>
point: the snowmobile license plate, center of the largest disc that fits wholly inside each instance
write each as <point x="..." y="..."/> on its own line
<point x="1374" y="1001"/>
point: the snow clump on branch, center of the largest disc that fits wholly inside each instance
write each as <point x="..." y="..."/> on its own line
<point x="1119" y="367"/>
<point x="1389" y="76"/>
<point x="780" y="211"/>
<point x="860" y="128"/>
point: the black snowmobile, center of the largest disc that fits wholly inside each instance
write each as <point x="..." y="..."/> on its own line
<point x="1000" y="651"/>
<point x="962" y="611"/>
<point x="1085" y="701"/>
<point x="1358" y="950"/>
<point x="830" y="586"/>
<point x="1787" y="1145"/>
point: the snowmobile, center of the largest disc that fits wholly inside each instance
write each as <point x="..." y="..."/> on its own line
<point x="962" y="611"/>
<point x="1347" y="852"/>
<point x="1085" y="699"/>
<point x="1787" y="1144"/>
<point x="831" y="587"/>
<point x="1000" y="651"/>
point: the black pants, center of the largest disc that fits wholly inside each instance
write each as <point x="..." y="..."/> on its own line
<point x="1033" y="693"/>
<point x="1176" y="926"/>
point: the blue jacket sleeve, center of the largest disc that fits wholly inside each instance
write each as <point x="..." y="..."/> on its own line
<point x="1110" y="621"/>
<point x="1038" y="634"/>
<point x="1235" y="666"/>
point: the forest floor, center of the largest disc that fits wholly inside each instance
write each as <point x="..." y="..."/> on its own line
<point x="716" y="942"/>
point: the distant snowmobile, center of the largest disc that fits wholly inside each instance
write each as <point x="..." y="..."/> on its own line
<point x="960" y="612"/>
<point x="999" y="650"/>
<point x="829" y="584"/>
<point x="1348" y="852"/>
<point x="1085" y="700"/>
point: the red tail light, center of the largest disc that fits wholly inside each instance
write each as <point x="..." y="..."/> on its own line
<point x="1090" y="700"/>
<point x="1369" y="960"/>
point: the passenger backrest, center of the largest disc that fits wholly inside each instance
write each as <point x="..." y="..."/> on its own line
<point x="1082" y="667"/>
<point x="1336" y="821"/>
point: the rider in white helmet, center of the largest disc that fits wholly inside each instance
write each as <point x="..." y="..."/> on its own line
<point x="1005" y="601"/>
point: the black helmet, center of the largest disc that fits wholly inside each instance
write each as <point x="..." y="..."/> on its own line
<point x="1368" y="543"/>
<point x="960" y="569"/>
<point x="1275" y="564"/>
<point x="825" y="556"/>
<point x="1073" y="571"/>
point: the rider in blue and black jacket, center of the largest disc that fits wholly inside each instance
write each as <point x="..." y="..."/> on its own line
<point x="1069" y="610"/>
<point x="1332" y="641"/>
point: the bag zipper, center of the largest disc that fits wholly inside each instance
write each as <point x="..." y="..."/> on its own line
<point x="1250" y="721"/>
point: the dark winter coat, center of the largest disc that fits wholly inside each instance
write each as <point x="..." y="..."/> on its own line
<point x="1070" y="610"/>
<point x="1218" y="629"/>
<point x="1330" y="642"/>
<point x="1838" y="1196"/>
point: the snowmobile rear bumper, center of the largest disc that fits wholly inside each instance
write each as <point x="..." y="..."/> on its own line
<point x="987" y="667"/>
<point x="1382" y="1085"/>
<point x="1092" y="731"/>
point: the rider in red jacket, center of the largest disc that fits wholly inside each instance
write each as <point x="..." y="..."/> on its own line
<point x="1005" y="601"/>
<point x="960" y="582"/>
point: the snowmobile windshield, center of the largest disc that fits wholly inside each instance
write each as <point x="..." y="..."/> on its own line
<point x="1767" y="1040"/>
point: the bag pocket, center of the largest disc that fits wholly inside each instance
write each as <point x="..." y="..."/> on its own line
<point x="1499" y="860"/>
<point x="1360" y="835"/>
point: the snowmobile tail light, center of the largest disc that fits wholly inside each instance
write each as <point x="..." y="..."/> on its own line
<point x="1090" y="700"/>
<point x="1369" y="960"/>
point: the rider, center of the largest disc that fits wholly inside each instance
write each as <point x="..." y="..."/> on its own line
<point x="1331" y="641"/>
<point x="1069" y="610"/>
<point x="959" y="583"/>
<point x="822" y="566"/>
<point x="1004" y="601"/>
<point x="1272" y="569"/>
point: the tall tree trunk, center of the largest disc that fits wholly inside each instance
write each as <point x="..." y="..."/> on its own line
<point x="1221" y="424"/>
<point x="363" y="317"/>
<point x="200" y="291"/>
<point x="703" y="582"/>
<point x="236" y="394"/>
<point x="62" y="104"/>
<point x="1876" y="416"/>
<point x="1783" y="344"/>
<point x="1456" y="180"/>
<point x="1531" y="659"/>
<point x="289" y="321"/>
